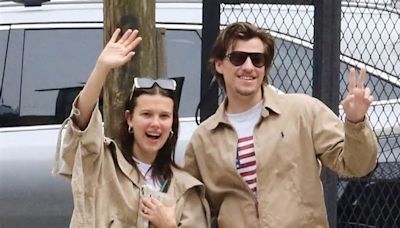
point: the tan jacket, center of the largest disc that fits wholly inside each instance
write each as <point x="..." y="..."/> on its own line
<point x="105" y="186"/>
<point x="294" y="134"/>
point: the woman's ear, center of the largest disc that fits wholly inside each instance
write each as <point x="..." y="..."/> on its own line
<point x="128" y="116"/>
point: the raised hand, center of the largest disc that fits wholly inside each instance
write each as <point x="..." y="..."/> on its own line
<point x="358" y="99"/>
<point x="117" y="52"/>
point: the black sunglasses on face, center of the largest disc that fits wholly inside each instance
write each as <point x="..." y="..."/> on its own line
<point x="147" y="83"/>
<point x="237" y="58"/>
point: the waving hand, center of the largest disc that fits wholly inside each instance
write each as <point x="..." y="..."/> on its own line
<point x="117" y="52"/>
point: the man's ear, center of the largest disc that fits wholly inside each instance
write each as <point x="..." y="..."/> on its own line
<point x="219" y="66"/>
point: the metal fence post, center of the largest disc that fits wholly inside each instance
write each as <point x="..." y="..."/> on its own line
<point x="326" y="77"/>
<point x="211" y="21"/>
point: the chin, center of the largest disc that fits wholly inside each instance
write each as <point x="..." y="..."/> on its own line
<point x="247" y="92"/>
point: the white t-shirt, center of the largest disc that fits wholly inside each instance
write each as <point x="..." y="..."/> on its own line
<point x="145" y="170"/>
<point x="244" y="124"/>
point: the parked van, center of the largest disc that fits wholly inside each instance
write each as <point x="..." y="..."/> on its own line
<point x="47" y="53"/>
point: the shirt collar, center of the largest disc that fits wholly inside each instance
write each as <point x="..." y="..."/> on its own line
<point x="271" y="103"/>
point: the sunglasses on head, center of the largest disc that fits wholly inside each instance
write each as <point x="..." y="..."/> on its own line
<point x="148" y="83"/>
<point x="237" y="58"/>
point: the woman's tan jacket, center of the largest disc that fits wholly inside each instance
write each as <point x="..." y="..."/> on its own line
<point x="106" y="187"/>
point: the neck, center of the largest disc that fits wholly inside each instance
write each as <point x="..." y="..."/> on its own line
<point x="144" y="157"/>
<point x="240" y="103"/>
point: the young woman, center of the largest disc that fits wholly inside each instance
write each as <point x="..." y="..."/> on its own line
<point x="137" y="183"/>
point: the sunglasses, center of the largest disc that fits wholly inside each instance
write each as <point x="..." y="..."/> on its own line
<point x="237" y="58"/>
<point x="148" y="83"/>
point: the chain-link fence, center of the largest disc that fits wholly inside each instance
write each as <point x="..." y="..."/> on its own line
<point x="369" y="37"/>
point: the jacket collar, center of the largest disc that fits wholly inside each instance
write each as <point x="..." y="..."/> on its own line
<point x="271" y="103"/>
<point x="181" y="180"/>
<point x="130" y="171"/>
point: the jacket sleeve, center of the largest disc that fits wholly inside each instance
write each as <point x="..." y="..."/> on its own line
<point x="190" y="161"/>
<point x="350" y="150"/>
<point x="195" y="213"/>
<point x="80" y="146"/>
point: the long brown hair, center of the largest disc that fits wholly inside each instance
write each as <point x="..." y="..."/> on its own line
<point x="161" y="167"/>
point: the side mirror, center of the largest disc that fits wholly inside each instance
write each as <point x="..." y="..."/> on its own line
<point x="31" y="2"/>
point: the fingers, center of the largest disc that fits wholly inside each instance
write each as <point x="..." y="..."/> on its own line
<point x="134" y="43"/>
<point x="132" y="36"/>
<point x="115" y="35"/>
<point x="144" y="208"/>
<point x="353" y="83"/>
<point x="129" y="39"/>
<point x="367" y="92"/>
<point x="367" y="95"/>
<point x="148" y="204"/>
<point x="125" y="36"/>
<point x="128" y="56"/>
<point x="352" y="80"/>
<point x="133" y="40"/>
<point x="347" y="100"/>
<point x="361" y="79"/>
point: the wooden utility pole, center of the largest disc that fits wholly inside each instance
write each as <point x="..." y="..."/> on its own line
<point x="125" y="14"/>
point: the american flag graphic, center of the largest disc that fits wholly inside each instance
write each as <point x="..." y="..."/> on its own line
<point x="246" y="162"/>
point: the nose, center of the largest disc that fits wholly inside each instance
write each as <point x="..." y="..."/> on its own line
<point x="248" y="64"/>
<point x="155" y="122"/>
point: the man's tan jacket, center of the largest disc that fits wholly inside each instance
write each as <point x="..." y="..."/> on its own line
<point x="295" y="134"/>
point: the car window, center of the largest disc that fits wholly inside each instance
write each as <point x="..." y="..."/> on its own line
<point x="9" y="97"/>
<point x="183" y="56"/>
<point x="54" y="70"/>
<point x="3" y="51"/>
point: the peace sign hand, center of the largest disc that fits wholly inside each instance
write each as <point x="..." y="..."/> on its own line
<point x="358" y="99"/>
<point x="118" y="52"/>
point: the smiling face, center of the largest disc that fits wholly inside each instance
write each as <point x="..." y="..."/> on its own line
<point x="244" y="80"/>
<point x="151" y="120"/>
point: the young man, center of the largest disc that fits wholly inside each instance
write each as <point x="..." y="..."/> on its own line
<point x="260" y="154"/>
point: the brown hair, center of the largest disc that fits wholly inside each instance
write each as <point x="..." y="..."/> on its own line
<point x="161" y="167"/>
<point x="228" y="38"/>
